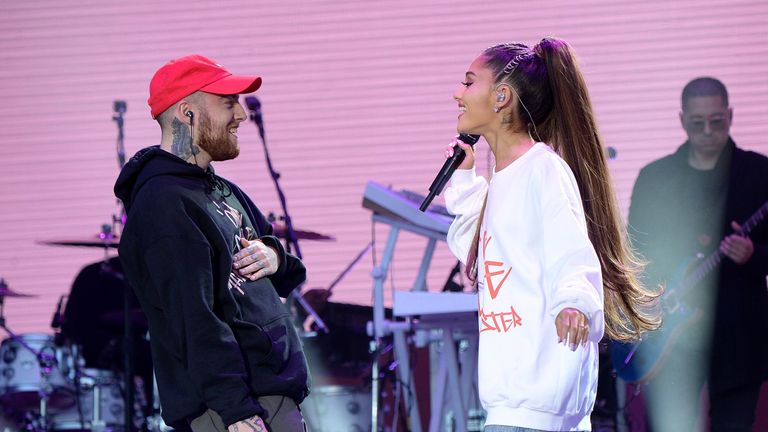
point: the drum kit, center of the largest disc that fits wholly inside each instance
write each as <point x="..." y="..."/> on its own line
<point x="45" y="384"/>
<point x="333" y="408"/>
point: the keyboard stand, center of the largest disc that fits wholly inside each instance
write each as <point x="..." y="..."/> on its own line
<point x="454" y="371"/>
<point x="440" y="331"/>
<point x="398" y="329"/>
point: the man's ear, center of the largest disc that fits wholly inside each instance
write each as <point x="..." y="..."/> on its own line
<point x="682" y="120"/>
<point x="184" y="112"/>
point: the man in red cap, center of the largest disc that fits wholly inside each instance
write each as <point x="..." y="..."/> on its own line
<point x="205" y="266"/>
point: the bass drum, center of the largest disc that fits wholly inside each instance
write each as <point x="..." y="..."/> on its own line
<point x="8" y="423"/>
<point x="80" y="416"/>
<point x="337" y="409"/>
<point x="22" y="378"/>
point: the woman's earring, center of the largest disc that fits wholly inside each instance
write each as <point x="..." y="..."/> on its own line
<point x="496" y="109"/>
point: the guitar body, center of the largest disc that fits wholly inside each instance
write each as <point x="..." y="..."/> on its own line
<point x="638" y="362"/>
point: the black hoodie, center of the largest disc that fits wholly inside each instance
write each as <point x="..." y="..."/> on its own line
<point x="218" y="340"/>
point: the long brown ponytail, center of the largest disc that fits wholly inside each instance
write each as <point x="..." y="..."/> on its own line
<point x="555" y="105"/>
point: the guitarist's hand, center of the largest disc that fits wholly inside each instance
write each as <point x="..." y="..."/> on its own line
<point x="572" y="327"/>
<point x="736" y="247"/>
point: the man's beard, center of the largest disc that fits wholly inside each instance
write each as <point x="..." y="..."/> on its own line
<point x="215" y="141"/>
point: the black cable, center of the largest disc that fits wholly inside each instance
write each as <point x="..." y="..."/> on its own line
<point x="192" y="135"/>
<point x="373" y="255"/>
<point x="373" y="241"/>
<point x="277" y="410"/>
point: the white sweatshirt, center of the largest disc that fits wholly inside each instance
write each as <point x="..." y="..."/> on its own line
<point x="534" y="260"/>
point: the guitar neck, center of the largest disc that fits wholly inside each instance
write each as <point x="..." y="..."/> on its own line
<point x="713" y="260"/>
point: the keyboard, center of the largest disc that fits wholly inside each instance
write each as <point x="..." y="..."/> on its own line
<point x="409" y="303"/>
<point x="405" y="205"/>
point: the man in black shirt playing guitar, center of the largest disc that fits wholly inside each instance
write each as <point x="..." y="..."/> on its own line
<point x="706" y="200"/>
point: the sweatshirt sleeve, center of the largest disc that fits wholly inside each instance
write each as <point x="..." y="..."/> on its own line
<point x="464" y="198"/>
<point x="181" y="270"/>
<point x="571" y="266"/>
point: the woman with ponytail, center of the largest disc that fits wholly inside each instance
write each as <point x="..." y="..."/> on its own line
<point x="543" y="239"/>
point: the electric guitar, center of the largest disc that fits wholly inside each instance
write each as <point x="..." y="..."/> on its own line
<point x="637" y="362"/>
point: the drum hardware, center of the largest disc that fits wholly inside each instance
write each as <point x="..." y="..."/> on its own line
<point x="46" y="364"/>
<point x="329" y="407"/>
<point x="107" y="239"/>
<point x="98" y="424"/>
<point x="155" y="421"/>
<point x="118" y="222"/>
<point x="99" y="405"/>
<point x="318" y="298"/>
<point x="119" y="107"/>
<point x="291" y="239"/>
<point x="127" y="349"/>
<point x="7" y="292"/>
<point x="280" y="229"/>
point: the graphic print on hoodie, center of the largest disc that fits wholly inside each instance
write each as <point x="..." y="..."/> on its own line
<point x="226" y="206"/>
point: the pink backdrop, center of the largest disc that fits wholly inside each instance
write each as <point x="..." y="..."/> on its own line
<point x="352" y="91"/>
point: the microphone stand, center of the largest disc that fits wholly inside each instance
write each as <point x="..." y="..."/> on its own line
<point x="290" y="234"/>
<point x="120" y="107"/>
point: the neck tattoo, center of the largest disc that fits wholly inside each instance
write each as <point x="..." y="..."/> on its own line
<point x="182" y="145"/>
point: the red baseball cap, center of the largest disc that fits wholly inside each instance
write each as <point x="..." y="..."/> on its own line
<point x="180" y="78"/>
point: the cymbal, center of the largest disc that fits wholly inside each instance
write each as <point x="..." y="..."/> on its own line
<point x="280" y="231"/>
<point x="98" y="240"/>
<point x="112" y="241"/>
<point x="7" y="292"/>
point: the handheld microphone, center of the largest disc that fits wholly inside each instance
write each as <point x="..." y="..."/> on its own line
<point x="254" y="106"/>
<point x="447" y="170"/>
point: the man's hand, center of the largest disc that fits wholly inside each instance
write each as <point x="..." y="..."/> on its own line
<point x="572" y="327"/>
<point x="736" y="247"/>
<point x="255" y="260"/>
<point x="253" y="424"/>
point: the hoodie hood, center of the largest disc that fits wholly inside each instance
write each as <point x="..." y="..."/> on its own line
<point x="151" y="162"/>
